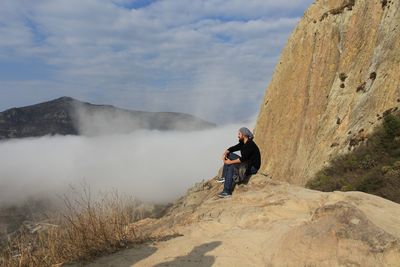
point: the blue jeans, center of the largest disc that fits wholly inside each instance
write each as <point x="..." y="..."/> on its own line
<point x="228" y="172"/>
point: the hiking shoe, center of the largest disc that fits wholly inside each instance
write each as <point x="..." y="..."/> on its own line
<point x="221" y="180"/>
<point x="224" y="195"/>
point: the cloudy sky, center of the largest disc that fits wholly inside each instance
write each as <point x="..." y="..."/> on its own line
<point x="210" y="58"/>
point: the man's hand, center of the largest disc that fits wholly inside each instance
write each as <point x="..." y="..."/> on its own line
<point x="224" y="156"/>
<point x="227" y="161"/>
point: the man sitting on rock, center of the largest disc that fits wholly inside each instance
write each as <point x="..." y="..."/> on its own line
<point x="250" y="161"/>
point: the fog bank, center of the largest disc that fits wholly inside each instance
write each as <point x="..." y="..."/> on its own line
<point x="96" y="120"/>
<point x="150" y="165"/>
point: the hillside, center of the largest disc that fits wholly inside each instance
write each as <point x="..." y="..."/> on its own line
<point x="68" y="116"/>
<point x="373" y="167"/>
<point x="336" y="78"/>
<point x="269" y="223"/>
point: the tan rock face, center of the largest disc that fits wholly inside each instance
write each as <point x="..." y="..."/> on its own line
<point x="270" y="223"/>
<point x="337" y="75"/>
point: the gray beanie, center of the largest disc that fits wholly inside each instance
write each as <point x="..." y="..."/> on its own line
<point x="246" y="132"/>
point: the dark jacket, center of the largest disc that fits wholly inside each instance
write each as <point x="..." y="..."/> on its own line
<point x="250" y="153"/>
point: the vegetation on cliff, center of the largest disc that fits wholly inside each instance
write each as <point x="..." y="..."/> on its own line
<point x="373" y="167"/>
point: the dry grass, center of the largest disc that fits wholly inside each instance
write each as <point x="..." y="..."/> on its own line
<point x="85" y="229"/>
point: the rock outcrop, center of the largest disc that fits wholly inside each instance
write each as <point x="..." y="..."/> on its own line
<point x="269" y="223"/>
<point x="336" y="78"/>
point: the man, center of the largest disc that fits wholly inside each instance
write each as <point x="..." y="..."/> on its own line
<point x="250" y="159"/>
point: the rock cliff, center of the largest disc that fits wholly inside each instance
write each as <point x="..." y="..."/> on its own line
<point x="336" y="78"/>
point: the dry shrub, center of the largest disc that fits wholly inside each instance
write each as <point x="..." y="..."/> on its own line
<point x="88" y="227"/>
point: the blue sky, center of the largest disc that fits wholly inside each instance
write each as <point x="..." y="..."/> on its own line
<point x="210" y="58"/>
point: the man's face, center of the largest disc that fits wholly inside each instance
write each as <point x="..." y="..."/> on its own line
<point x="240" y="137"/>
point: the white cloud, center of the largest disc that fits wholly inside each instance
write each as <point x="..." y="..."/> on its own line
<point x="150" y="165"/>
<point x="171" y="55"/>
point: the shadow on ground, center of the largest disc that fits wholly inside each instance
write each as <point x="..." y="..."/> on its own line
<point x="196" y="257"/>
<point x="124" y="258"/>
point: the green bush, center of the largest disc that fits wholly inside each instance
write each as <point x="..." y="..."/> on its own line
<point x="323" y="182"/>
<point x="391" y="125"/>
<point x="368" y="162"/>
<point x="370" y="183"/>
<point x="347" y="187"/>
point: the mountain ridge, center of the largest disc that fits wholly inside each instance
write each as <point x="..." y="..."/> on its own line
<point x="68" y="116"/>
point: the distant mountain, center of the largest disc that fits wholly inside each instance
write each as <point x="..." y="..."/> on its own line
<point x="68" y="116"/>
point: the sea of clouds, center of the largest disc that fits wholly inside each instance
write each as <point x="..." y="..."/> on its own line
<point x="153" y="166"/>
